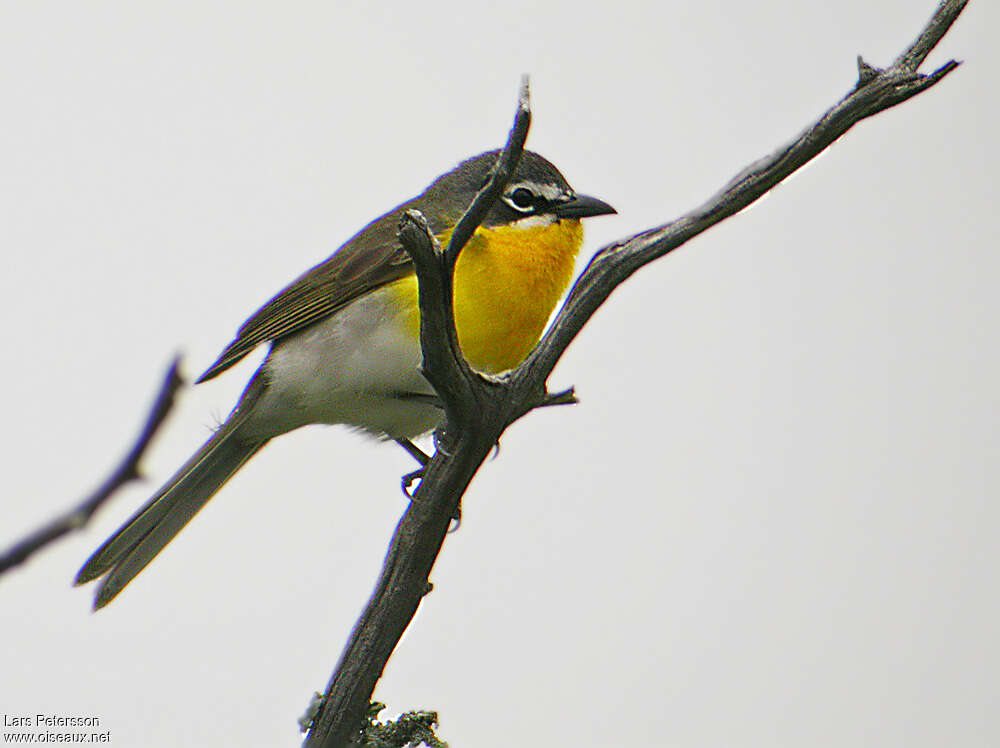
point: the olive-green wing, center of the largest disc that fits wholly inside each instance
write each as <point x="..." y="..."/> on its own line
<point x="368" y="261"/>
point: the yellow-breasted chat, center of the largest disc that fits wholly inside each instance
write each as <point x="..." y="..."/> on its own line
<point x="344" y="338"/>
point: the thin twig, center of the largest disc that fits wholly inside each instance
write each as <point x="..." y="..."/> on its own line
<point x="946" y="14"/>
<point x="499" y="176"/>
<point x="127" y="471"/>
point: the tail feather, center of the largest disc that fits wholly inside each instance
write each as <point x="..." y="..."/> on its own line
<point x="137" y="542"/>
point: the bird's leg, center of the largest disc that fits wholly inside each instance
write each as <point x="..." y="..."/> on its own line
<point x="407" y="480"/>
<point x="415" y="452"/>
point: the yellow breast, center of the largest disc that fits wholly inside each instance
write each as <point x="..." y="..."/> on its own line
<point x="507" y="282"/>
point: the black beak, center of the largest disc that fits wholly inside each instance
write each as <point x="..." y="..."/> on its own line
<point x="582" y="206"/>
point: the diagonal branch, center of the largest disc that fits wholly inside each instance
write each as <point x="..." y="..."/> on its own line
<point x="946" y="14"/>
<point x="876" y="91"/>
<point x="126" y="471"/>
<point x="478" y="408"/>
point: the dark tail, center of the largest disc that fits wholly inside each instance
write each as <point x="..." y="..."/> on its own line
<point x="137" y="542"/>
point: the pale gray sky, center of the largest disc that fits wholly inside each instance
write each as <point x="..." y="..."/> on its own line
<point x="771" y="521"/>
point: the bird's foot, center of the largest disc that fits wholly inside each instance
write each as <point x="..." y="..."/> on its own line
<point x="407" y="480"/>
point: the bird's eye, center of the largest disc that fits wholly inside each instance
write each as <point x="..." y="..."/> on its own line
<point x="522" y="198"/>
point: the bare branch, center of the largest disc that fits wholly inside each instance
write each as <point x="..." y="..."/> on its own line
<point x="403" y="583"/>
<point x="499" y="177"/>
<point x="422" y="529"/>
<point x="127" y="471"/>
<point x="935" y="30"/>
<point x="480" y="408"/>
<point x="876" y="92"/>
<point x="443" y="363"/>
<point x="566" y="397"/>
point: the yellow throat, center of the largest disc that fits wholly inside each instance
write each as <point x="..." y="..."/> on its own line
<point x="507" y="282"/>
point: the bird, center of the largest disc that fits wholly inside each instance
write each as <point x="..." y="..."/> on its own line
<point x="344" y="338"/>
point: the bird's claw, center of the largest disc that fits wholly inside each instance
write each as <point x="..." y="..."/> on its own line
<point x="407" y="480"/>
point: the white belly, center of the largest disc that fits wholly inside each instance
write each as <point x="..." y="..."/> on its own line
<point x="354" y="368"/>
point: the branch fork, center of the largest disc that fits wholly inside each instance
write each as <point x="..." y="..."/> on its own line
<point x="478" y="408"/>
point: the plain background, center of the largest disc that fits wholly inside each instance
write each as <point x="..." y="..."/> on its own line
<point x="771" y="521"/>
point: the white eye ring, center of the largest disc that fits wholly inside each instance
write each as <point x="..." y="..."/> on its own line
<point x="521" y="199"/>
